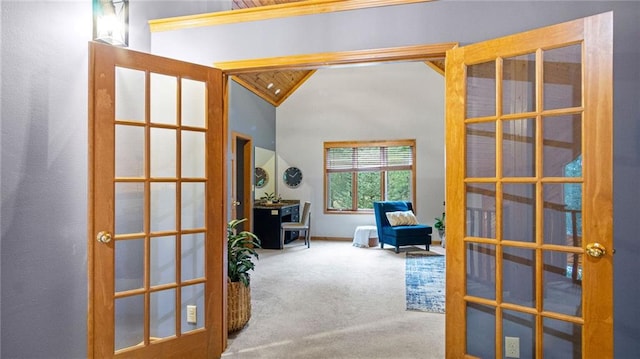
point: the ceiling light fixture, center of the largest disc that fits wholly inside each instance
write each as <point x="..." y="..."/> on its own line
<point x="277" y="91"/>
<point x="111" y="22"/>
<point x="270" y="85"/>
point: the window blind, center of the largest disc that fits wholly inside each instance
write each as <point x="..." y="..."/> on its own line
<point x="368" y="159"/>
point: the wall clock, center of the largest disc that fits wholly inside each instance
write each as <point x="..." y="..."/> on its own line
<point x="292" y="177"/>
<point x="262" y="177"/>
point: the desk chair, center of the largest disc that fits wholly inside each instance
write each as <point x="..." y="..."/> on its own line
<point x="303" y="225"/>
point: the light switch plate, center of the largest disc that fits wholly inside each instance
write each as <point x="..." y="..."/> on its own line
<point x="192" y="314"/>
<point x="512" y="347"/>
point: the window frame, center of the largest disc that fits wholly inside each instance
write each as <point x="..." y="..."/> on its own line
<point x="383" y="185"/>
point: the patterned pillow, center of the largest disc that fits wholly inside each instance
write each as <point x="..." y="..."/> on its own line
<point x="401" y="218"/>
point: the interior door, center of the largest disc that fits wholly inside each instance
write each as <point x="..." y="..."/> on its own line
<point x="242" y="177"/>
<point x="529" y="194"/>
<point x="156" y="207"/>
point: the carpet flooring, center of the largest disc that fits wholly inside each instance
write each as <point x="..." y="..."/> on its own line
<point x="425" y="281"/>
<point x="335" y="301"/>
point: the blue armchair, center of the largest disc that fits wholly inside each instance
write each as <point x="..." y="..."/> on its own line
<point x="399" y="235"/>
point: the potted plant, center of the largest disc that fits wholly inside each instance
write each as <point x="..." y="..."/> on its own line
<point x="269" y="198"/>
<point x="241" y="250"/>
<point x="440" y="225"/>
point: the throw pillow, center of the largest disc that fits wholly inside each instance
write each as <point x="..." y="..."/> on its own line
<point x="401" y="218"/>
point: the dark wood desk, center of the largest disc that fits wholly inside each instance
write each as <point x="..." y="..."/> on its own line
<point x="267" y="220"/>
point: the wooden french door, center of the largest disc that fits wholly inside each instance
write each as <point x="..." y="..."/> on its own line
<point x="156" y="207"/>
<point x="529" y="194"/>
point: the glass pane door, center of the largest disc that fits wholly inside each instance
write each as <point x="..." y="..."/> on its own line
<point x="157" y="269"/>
<point x="159" y="202"/>
<point x="521" y="115"/>
<point x="523" y="191"/>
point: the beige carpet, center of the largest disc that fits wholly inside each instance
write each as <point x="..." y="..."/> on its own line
<point x="335" y="301"/>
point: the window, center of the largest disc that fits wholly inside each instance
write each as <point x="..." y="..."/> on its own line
<point x="359" y="173"/>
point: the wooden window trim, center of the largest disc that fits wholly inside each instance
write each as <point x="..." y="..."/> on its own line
<point x="358" y="144"/>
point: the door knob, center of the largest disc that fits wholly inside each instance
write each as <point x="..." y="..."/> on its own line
<point x="236" y="203"/>
<point x="104" y="237"/>
<point x="596" y="250"/>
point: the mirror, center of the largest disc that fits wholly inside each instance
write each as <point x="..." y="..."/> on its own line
<point x="266" y="161"/>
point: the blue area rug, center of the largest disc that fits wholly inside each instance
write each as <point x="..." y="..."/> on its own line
<point x="425" y="285"/>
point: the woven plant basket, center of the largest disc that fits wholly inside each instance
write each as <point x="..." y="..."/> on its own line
<point x="238" y="306"/>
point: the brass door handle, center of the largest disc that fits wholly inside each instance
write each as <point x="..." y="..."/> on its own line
<point x="104" y="237"/>
<point x="596" y="250"/>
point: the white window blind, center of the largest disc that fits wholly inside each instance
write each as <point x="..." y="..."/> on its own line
<point x="369" y="158"/>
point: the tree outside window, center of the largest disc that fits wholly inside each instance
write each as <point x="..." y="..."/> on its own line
<point x="360" y="173"/>
<point x="573" y="197"/>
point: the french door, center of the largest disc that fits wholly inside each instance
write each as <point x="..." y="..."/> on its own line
<point x="156" y="207"/>
<point x="529" y="194"/>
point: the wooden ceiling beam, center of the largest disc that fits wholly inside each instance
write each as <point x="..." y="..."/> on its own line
<point x="321" y="60"/>
<point x="307" y="7"/>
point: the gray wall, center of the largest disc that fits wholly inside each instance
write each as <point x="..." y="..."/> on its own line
<point x="0" y="188"/>
<point x="252" y="116"/>
<point x="626" y="171"/>
<point x="466" y="22"/>
<point x="143" y="10"/>
<point x="43" y="251"/>
<point x="420" y="23"/>
<point x="363" y="103"/>
<point x="44" y="178"/>
<point x="43" y="290"/>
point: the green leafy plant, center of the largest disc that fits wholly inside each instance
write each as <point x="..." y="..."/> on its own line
<point x="241" y="247"/>
<point x="440" y="222"/>
<point x="269" y="196"/>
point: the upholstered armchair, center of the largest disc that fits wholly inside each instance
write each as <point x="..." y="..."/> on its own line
<point x="397" y="225"/>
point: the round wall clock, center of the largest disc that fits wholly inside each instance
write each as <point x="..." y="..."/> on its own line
<point x="262" y="177"/>
<point x="292" y="177"/>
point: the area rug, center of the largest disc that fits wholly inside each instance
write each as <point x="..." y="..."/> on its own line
<point x="425" y="281"/>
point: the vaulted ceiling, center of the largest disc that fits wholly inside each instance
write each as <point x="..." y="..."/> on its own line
<point x="276" y="86"/>
<point x="245" y="4"/>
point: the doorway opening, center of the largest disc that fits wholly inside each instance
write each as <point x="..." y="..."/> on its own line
<point x="418" y="54"/>
<point x="241" y="173"/>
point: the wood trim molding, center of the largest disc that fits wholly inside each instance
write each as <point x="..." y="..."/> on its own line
<point x="340" y="239"/>
<point x="308" y="7"/>
<point x="435" y="67"/>
<point x="381" y="168"/>
<point x="320" y="60"/>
